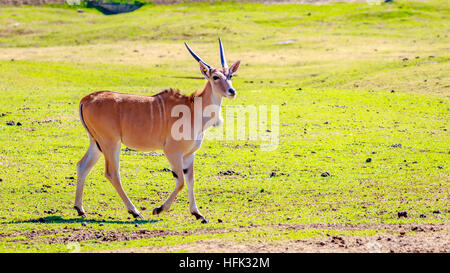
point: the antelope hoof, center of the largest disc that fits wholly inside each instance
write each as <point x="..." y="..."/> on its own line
<point x="136" y="214"/>
<point x="81" y="212"/>
<point x="199" y="216"/>
<point x="157" y="210"/>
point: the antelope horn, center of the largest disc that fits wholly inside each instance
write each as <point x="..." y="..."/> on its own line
<point x="222" y="55"/>
<point x="195" y="55"/>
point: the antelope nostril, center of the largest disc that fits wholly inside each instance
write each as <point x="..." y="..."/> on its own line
<point x="232" y="91"/>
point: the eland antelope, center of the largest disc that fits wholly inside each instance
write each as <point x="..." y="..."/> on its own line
<point x="146" y="123"/>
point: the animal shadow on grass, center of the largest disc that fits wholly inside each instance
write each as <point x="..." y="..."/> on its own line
<point x="60" y="220"/>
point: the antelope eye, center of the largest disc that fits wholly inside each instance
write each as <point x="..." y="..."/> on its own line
<point x="231" y="76"/>
<point x="215" y="78"/>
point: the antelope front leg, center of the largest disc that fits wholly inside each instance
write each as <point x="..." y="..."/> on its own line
<point x="176" y="163"/>
<point x="188" y="163"/>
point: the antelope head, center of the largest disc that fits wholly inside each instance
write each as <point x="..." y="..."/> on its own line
<point x="219" y="78"/>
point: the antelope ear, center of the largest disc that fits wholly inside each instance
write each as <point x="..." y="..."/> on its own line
<point x="205" y="70"/>
<point x="234" y="67"/>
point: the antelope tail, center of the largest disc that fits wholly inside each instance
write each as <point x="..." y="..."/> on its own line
<point x="85" y="126"/>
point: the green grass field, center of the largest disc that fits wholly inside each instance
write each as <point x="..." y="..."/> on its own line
<point x="353" y="80"/>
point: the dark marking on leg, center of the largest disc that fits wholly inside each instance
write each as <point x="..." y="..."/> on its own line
<point x="185" y="171"/>
<point x="174" y="174"/>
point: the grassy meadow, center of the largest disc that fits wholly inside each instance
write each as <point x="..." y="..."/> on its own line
<point x="352" y="81"/>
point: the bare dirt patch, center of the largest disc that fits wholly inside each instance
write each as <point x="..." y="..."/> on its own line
<point x="404" y="238"/>
<point x="438" y="242"/>
<point x="391" y="238"/>
<point x="67" y="235"/>
<point x="389" y="228"/>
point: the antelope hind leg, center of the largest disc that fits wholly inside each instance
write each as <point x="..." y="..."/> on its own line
<point x="84" y="166"/>
<point x="112" y="174"/>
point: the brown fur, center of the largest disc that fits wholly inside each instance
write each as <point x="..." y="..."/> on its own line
<point x="144" y="123"/>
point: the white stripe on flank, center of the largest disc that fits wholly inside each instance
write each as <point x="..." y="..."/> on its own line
<point x="164" y="108"/>
<point x="151" y="116"/>
<point x="160" y="111"/>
